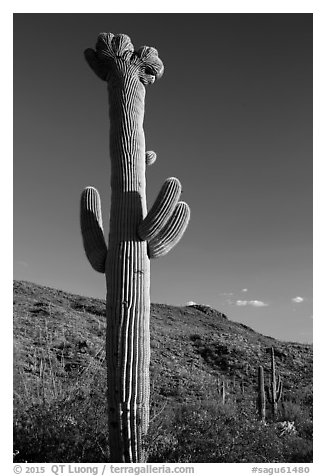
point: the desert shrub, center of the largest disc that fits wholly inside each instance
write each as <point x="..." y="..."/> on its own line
<point x="179" y="435"/>
<point x="213" y="353"/>
<point x="299" y="450"/>
<point x="300" y="415"/>
<point x="72" y="429"/>
<point x="301" y="396"/>
<point x="207" y="432"/>
<point x="289" y="411"/>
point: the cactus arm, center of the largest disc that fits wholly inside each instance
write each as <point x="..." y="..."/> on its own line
<point x="150" y="157"/>
<point x="171" y="233"/>
<point x="269" y="395"/>
<point x="161" y="210"/>
<point x="92" y="229"/>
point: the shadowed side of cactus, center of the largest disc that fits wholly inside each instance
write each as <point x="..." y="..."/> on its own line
<point x="135" y="236"/>
<point x="274" y="392"/>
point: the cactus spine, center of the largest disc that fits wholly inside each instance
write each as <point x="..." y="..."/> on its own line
<point x="134" y="238"/>
<point x="275" y="388"/>
<point x="261" y="394"/>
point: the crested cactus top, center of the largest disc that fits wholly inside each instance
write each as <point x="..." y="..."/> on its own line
<point x="114" y="56"/>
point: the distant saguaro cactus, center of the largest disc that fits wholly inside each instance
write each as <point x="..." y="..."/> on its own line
<point x="221" y="389"/>
<point x="135" y="236"/>
<point x="275" y="388"/>
<point x="261" y="394"/>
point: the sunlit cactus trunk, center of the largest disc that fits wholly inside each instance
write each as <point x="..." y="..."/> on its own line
<point x="261" y="394"/>
<point x="127" y="275"/>
<point x="134" y="238"/>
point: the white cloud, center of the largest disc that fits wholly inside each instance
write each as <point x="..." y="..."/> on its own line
<point x="258" y="303"/>
<point x="244" y="290"/>
<point x="253" y="303"/>
<point x="297" y="299"/>
<point x="190" y="303"/>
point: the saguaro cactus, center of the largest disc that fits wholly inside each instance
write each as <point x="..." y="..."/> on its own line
<point x="135" y="236"/>
<point x="221" y="389"/>
<point x="261" y="394"/>
<point x="275" y="388"/>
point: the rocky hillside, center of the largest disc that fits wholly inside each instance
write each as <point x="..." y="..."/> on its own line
<point x="59" y="342"/>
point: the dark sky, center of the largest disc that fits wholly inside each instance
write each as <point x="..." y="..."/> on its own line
<point x="231" y="118"/>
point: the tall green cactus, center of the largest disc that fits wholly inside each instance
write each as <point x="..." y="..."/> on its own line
<point x="274" y="392"/>
<point x="261" y="394"/>
<point x="135" y="236"/>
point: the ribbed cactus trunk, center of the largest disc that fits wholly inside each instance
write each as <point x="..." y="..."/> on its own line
<point x="127" y="275"/>
<point x="134" y="238"/>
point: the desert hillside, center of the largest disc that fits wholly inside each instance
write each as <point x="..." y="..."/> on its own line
<point x="59" y="384"/>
